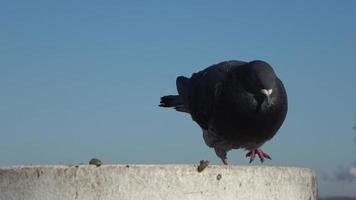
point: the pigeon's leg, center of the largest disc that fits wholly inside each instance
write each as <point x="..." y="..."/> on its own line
<point x="222" y="155"/>
<point x="262" y="155"/>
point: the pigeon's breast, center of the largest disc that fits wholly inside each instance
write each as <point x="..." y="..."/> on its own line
<point x="242" y="123"/>
<point x="214" y="140"/>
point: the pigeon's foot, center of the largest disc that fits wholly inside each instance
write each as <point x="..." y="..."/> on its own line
<point x="221" y="153"/>
<point x="262" y="155"/>
<point x="225" y="161"/>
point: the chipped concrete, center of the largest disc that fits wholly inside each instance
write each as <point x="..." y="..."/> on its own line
<point x="155" y="182"/>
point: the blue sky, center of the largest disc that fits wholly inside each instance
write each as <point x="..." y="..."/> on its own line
<point x="82" y="79"/>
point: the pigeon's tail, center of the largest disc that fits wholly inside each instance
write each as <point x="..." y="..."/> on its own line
<point x="173" y="101"/>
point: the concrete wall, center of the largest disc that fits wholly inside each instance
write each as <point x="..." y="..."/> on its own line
<point x="155" y="182"/>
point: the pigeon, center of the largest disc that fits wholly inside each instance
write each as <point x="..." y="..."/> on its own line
<point x="237" y="104"/>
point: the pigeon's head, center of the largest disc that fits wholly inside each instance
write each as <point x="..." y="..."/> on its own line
<point x="261" y="79"/>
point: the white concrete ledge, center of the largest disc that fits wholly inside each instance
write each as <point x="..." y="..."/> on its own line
<point x="155" y="182"/>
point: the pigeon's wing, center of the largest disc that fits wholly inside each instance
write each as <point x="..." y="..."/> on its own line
<point x="200" y="91"/>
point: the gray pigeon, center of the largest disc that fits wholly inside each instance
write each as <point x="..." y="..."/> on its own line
<point x="237" y="105"/>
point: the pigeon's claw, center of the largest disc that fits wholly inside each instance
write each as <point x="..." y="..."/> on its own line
<point x="262" y="155"/>
<point x="225" y="161"/>
<point x="252" y="155"/>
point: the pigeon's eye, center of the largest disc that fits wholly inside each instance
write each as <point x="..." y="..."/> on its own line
<point x="255" y="82"/>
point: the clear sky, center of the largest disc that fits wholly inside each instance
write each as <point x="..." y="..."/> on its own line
<point x="82" y="79"/>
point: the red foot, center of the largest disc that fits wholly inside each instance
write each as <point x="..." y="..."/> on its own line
<point x="225" y="161"/>
<point x="262" y="155"/>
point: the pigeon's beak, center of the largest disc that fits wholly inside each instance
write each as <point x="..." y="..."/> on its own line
<point x="267" y="94"/>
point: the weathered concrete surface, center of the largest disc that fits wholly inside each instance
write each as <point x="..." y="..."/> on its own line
<point x="154" y="182"/>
